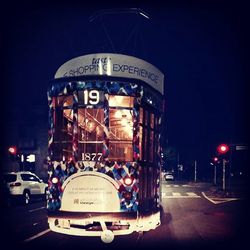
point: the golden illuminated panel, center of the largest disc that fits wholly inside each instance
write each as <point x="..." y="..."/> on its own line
<point x="65" y="101"/>
<point x="121" y="125"/>
<point x="140" y="142"/>
<point x="121" y="128"/>
<point x="121" y="134"/>
<point x="121" y="101"/>
<point x="91" y="127"/>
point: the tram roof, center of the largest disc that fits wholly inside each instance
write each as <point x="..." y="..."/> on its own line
<point x="113" y="65"/>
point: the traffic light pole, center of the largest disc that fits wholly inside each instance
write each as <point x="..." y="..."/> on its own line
<point x="224" y="174"/>
<point x="178" y="166"/>
<point x="195" y="171"/>
<point x="223" y="149"/>
<point x="215" y="174"/>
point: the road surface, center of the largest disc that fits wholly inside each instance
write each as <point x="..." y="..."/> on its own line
<point x="190" y="220"/>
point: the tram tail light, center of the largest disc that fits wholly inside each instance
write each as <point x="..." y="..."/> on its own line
<point x="54" y="180"/>
<point x="127" y="196"/>
<point x="128" y="181"/>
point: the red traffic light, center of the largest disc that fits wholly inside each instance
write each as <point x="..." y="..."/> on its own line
<point x="12" y="150"/>
<point x="223" y="148"/>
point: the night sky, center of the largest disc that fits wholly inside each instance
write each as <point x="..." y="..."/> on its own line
<point x="202" y="49"/>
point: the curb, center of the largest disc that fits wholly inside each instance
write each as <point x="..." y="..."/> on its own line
<point x="216" y="200"/>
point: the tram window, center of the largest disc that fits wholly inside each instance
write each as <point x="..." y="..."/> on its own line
<point x="141" y="115"/>
<point x="90" y="133"/>
<point x="150" y="186"/>
<point x="58" y="124"/>
<point x="151" y="146"/>
<point x="65" y="101"/>
<point x="121" y="101"/>
<point x="140" y="141"/>
<point x="68" y="114"/>
<point x="121" y="125"/>
<point x="145" y="153"/>
<point x="64" y="134"/>
<point x="121" y="132"/>
<point x="145" y="117"/>
<point x="67" y="129"/>
<point x="148" y="130"/>
<point x="63" y="124"/>
<point x="54" y="101"/>
<point x="145" y="180"/>
<point x="156" y="143"/>
<point x="156" y="123"/>
<point x="90" y="124"/>
<point x="152" y="120"/>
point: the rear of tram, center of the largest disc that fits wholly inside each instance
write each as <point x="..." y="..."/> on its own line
<point x="103" y="156"/>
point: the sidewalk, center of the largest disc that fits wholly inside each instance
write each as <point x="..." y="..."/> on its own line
<point x="200" y="184"/>
<point x="216" y="191"/>
<point x="234" y="191"/>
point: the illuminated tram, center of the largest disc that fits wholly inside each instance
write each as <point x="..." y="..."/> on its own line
<point x="104" y="152"/>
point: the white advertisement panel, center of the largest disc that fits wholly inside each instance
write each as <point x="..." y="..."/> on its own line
<point x="113" y="65"/>
<point x="93" y="192"/>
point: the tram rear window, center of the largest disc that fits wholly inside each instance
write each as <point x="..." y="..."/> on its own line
<point x="121" y="101"/>
<point x="121" y="128"/>
<point x="90" y="133"/>
<point x="86" y="125"/>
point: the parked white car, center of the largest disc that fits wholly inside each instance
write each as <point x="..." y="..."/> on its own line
<point x="169" y="177"/>
<point x="25" y="184"/>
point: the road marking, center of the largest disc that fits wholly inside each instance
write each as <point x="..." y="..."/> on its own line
<point x="178" y="195"/>
<point x="171" y="185"/>
<point x="186" y="185"/>
<point x="37" y="235"/>
<point x="36" y="209"/>
<point x="192" y="194"/>
<point x="219" y="200"/>
<point x="207" y="197"/>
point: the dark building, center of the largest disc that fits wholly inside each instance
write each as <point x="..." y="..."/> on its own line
<point x="27" y="132"/>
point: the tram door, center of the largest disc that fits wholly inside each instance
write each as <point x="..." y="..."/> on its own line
<point x="149" y="158"/>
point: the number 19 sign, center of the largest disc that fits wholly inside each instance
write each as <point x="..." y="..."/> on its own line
<point x="91" y="97"/>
